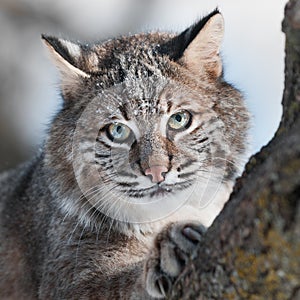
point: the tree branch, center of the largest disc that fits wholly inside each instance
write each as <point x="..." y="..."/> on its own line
<point x="252" y="249"/>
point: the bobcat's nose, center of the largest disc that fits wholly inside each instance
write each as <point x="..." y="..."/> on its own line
<point x="157" y="173"/>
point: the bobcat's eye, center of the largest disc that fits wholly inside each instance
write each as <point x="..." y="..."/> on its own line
<point x="118" y="132"/>
<point x="180" y="120"/>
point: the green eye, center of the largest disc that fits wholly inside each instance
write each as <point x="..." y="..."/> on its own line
<point x="118" y="132"/>
<point x="180" y="120"/>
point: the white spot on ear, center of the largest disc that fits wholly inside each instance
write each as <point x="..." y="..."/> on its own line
<point x="73" y="49"/>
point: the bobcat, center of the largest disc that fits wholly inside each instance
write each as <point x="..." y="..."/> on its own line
<point x="138" y="162"/>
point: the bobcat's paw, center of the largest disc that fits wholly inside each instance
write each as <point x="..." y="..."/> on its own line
<point x="173" y="246"/>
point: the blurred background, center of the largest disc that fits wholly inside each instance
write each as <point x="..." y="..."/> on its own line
<point x="253" y="53"/>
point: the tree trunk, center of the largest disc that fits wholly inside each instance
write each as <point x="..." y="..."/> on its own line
<point x="252" y="250"/>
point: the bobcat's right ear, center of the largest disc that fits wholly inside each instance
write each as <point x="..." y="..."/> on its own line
<point x="66" y="56"/>
<point x="203" y="51"/>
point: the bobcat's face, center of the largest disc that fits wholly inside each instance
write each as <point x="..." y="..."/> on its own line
<point x="149" y="147"/>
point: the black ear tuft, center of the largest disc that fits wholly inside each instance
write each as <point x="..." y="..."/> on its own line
<point x="176" y="46"/>
<point x="61" y="49"/>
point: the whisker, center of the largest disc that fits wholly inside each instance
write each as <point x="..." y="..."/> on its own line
<point x="101" y="201"/>
<point x="229" y="161"/>
<point x="96" y="192"/>
<point x="79" y="199"/>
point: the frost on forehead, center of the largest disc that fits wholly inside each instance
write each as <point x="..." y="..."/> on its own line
<point x="143" y="93"/>
<point x="143" y="77"/>
<point x="144" y="88"/>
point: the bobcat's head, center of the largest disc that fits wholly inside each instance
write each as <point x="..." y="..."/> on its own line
<point x="148" y="126"/>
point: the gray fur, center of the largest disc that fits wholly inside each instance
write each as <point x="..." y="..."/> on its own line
<point x="61" y="242"/>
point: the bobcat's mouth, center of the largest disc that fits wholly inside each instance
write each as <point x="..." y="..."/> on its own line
<point x="160" y="191"/>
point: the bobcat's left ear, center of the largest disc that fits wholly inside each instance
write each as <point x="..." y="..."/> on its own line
<point x="198" y="47"/>
<point x="202" y="53"/>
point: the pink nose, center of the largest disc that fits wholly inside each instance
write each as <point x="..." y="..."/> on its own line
<point x="156" y="173"/>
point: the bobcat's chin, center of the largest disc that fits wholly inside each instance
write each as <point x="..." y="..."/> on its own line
<point x="148" y="215"/>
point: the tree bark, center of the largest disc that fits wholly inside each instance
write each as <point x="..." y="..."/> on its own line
<point x="252" y="250"/>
